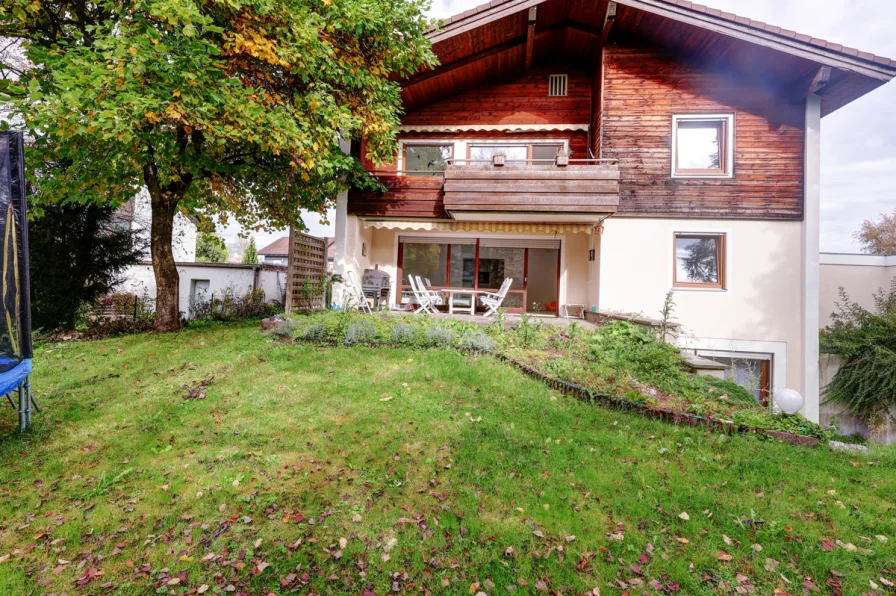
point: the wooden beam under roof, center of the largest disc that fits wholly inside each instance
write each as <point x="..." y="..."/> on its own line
<point x="530" y="39"/>
<point x="820" y="81"/>
<point x="609" y="20"/>
<point x="818" y="85"/>
<point x="498" y="49"/>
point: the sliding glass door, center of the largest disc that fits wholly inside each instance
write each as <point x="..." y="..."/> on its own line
<point x="482" y="264"/>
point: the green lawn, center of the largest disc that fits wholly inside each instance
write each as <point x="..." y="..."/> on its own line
<point x="330" y="470"/>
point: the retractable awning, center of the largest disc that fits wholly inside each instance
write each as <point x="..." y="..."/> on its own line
<point x="486" y="226"/>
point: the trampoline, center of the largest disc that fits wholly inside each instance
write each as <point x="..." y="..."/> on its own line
<point x="15" y="302"/>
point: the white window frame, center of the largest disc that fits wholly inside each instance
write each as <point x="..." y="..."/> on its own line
<point x="728" y="119"/>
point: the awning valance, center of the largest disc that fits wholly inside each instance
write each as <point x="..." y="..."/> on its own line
<point x="486" y="226"/>
<point x="450" y="128"/>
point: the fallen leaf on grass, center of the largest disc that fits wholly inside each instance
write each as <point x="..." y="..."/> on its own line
<point x="88" y="576"/>
<point x="771" y="564"/>
<point x="723" y="556"/>
<point x="683" y="515"/>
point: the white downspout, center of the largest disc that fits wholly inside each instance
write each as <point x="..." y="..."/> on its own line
<point x="811" y="259"/>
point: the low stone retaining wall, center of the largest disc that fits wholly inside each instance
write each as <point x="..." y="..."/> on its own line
<point x="673" y="416"/>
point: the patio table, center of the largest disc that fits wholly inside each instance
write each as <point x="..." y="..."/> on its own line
<point x="452" y="293"/>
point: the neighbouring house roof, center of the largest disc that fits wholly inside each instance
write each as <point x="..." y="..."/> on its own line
<point x="489" y="42"/>
<point x="277" y="248"/>
<point x="280" y="247"/>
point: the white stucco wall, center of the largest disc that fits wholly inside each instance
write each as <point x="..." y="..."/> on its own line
<point x="220" y="277"/>
<point x="861" y="276"/>
<point x="760" y="311"/>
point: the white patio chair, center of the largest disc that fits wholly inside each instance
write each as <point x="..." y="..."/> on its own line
<point x="493" y="300"/>
<point x="422" y="298"/>
<point x="436" y="298"/>
<point x="357" y="293"/>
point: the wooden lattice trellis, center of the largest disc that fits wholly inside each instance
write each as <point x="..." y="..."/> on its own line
<point x="306" y="274"/>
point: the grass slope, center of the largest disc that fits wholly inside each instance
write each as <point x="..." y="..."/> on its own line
<point x="328" y="470"/>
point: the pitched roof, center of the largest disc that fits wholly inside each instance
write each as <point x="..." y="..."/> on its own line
<point x="503" y="5"/>
<point x="491" y="42"/>
<point x="280" y="246"/>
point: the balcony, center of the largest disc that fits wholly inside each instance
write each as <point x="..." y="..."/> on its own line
<point x="582" y="190"/>
<point x="534" y="191"/>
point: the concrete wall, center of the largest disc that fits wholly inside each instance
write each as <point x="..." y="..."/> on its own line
<point x="760" y="311"/>
<point x="220" y="276"/>
<point x="860" y="275"/>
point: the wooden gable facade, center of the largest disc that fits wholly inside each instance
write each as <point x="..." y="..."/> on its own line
<point x="632" y="66"/>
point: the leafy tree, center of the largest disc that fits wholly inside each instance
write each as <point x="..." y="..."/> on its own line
<point x="78" y="253"/>
<point x="878" y="237"/>
<point x="215" y="106"/>
<point x="866" y="383"/>
<point x="210" y="248"/>
<point x="250" y="255"/>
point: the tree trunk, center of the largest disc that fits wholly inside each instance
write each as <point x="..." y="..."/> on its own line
<point x="164" y="202"/>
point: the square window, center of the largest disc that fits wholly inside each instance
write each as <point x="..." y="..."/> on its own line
<point x="702" y="146"/>
<point x="699" y="261"/>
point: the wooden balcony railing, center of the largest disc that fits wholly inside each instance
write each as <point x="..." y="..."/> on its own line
<point x="584" y="187"/>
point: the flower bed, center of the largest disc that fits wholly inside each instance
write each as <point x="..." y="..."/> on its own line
<point x="619" y="365"/>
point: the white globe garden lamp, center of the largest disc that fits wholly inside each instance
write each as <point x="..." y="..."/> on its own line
<point x="789" y="400"/>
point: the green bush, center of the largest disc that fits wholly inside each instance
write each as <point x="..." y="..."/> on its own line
<point x="723" y="388"/>
<point x="476" y="340"/>
<point x="360" y="331"/>
<point x="794" y="424"/>
<point x="866" y="383"/>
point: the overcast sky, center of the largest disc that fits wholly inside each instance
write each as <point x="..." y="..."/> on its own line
<point x="858" y="178"/>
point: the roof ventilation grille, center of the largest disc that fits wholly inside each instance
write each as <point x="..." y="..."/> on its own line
<point x="557" y="85"/>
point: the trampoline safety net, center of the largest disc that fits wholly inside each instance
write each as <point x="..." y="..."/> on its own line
<point x="15" y="305"/>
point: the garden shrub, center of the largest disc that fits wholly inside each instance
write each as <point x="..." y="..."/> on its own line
<point x="438" y="337"/>
<point x="476" y="340"/>
<point x="794" y="424"/>
<point x="404" y="334"/>
<point x="736" y="394"/>
<point x="360" y="331"/>
<point x="866" y="384"/>
<point x="317" y="331"/>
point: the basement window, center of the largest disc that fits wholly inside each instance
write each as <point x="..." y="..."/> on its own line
<point x="703" y="146"/>
<point x="558" y="85"/>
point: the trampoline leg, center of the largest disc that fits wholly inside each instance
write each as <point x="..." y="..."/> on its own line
<point x="24" y="407"/>
<point x="31" y="395"/>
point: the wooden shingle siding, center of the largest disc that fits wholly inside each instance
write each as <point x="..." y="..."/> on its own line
<point x="644" y="87"/>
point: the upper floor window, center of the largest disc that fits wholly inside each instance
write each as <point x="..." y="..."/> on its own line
<point x="426" y="160"/>
<point x="515" y="154"/>
<point x="699" y="261"/>
<point x="703" y="146"/>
